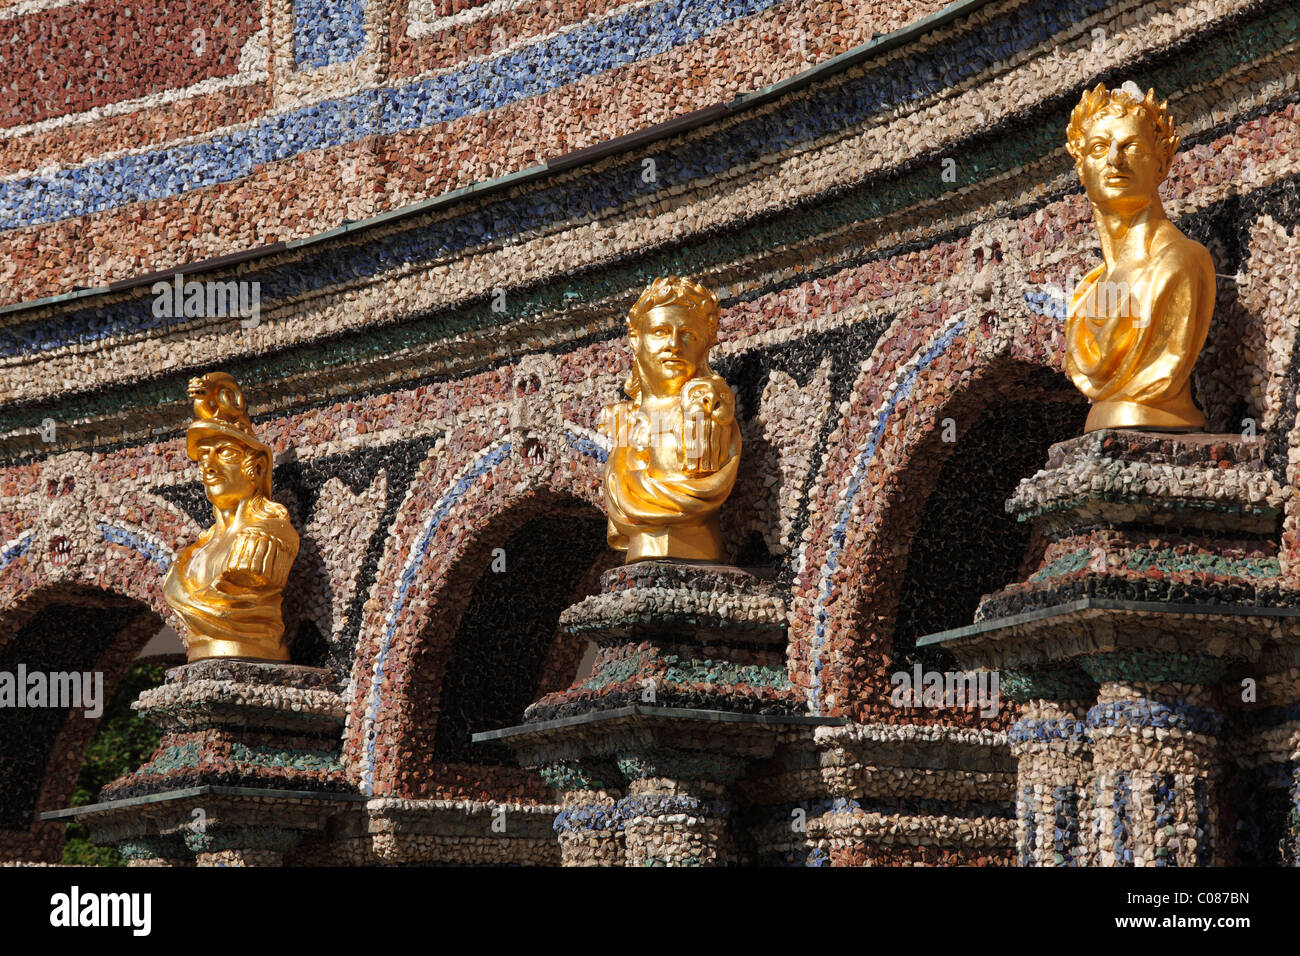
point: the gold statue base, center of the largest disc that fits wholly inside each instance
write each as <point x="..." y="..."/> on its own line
<point x="1178" y="415"/>
<point x="206" y="648"/>
<point x="685" y="542"/>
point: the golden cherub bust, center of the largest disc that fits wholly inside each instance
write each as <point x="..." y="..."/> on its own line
<point x="1138" y="321"/>
<point x="676" y="443"/>
<point x="226" y="586"/>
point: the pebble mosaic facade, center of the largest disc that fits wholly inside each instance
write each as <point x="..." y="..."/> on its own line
<point x="889" y="238"/>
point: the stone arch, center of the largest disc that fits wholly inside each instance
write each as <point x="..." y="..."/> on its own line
<point x="124" y="546"/>
<point x="505" y="652"/>
<point x="476" y="490"/>
<point x="858" y="551"/>
<point x="58" y="628"/>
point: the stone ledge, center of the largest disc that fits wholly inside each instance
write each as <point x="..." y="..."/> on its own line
<point x="254" y="794"/>
<point x="1097" y="626"/>
<point x="1128" y="477"/>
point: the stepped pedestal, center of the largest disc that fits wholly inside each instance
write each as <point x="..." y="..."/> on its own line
<point x="689" y="688"/>
<point x="1132" y="651"/>
<point x="248" y="765"/>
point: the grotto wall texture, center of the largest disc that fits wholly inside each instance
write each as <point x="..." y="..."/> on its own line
<point x="252" y="123"/>
<point x="889" y="239"/>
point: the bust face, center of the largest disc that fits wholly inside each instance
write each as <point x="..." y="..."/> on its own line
<point x="221" y="465"/>
<point x="1120" y="167"/>
<point x="669" y="346"/>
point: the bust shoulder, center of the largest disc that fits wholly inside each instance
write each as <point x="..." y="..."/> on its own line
<point x="272" y="520"/>
<point x="609" y="414"/>
<point x="1174" y="254"/>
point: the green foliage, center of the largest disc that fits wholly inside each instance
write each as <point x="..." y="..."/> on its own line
<point x="124" y="741"/>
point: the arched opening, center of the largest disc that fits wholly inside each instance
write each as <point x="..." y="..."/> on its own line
<point x="506" y="652"/>
<point x="943" y="538"/>
<point x="123" y="741"/>
<point x="966" y="544"/>
<point x="63" y="654"/>
<point x="495" y="647"/>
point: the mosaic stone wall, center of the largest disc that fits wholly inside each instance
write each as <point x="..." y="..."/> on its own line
<point x="160" y="137"/>
<point x="430" y="381"/>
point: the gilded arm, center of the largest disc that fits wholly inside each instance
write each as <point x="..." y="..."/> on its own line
<point x="258" y="560"/>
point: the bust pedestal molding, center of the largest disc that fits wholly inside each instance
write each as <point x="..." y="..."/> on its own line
<point x="248" y="766"/>
<point x="1158" y="599"/>
<point x="689" y="688"/>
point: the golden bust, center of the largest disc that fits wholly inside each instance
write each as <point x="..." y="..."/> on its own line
<point x="1138" y="321"/>
<point x="676" y="443"/>
<point x="226" y="586"/>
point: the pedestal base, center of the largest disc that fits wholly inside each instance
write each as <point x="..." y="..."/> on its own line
<point x="689" y="688"/>
<point x="248" y="764"/>
<point x="708" y="637"/>
<point x="1157" y="607"/>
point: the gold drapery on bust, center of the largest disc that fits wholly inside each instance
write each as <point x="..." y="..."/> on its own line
<point x="227" y="586"/>
<point x="657" y="513"/>
<point x="1133" y="355"/>
<point x="1138" y="321"/>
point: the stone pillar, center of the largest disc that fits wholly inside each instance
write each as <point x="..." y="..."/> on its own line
<point x="675" y="823"/>
<point x="688" y="690"/>
<point x="590" y="823"/>
<point x="249" y="764"/>
<point x="1157" y="759"/>
<point x="677" y="810"/>
<point x="1160" y="583"/>
<point x="1053" y="754"/>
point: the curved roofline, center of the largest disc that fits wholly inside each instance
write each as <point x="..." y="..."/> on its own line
<point x="878" y="44"/>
